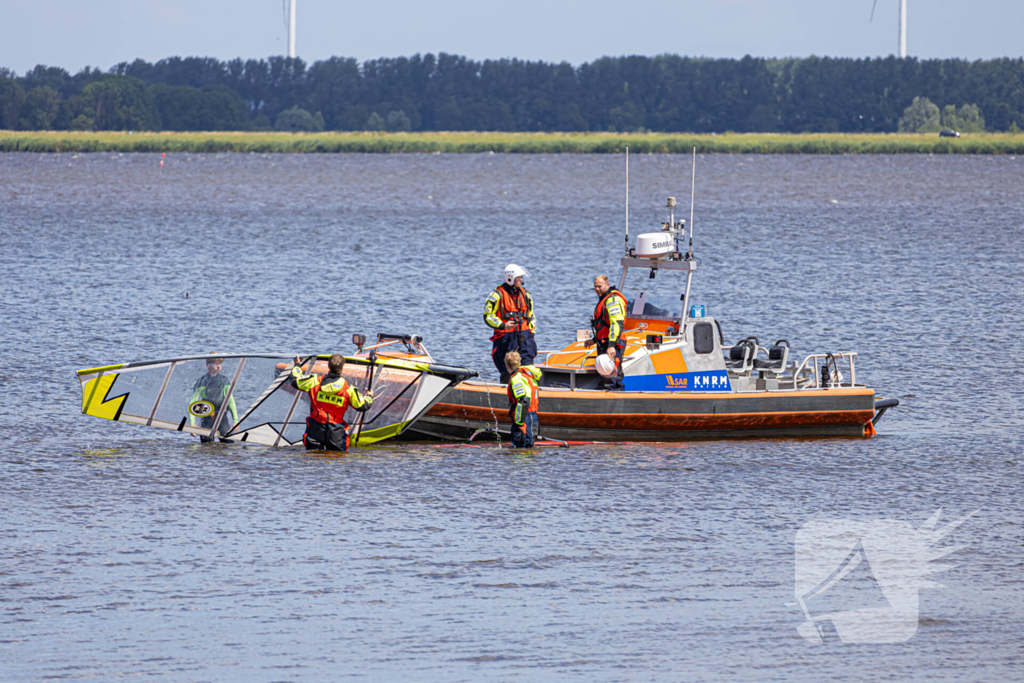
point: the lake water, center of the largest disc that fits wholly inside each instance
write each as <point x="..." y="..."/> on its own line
<point x="132" y="553"/>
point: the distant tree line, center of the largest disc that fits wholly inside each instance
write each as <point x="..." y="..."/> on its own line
<point x="448" y="92"/>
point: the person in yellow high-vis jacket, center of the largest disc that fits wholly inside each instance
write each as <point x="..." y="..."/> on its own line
<point x="329" y="398"/>
<point x="608" y="322"/>
<point x="523" y="400"/>
<point x="508" y="311"/>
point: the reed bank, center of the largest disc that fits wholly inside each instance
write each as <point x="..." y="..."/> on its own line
<point x="514" y="143"/>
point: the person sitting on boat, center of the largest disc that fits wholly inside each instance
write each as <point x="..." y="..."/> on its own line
<point x="523" y="395"/>
<point x="329" y="398"/>
<point x="212" y="388"/>
<point x="509" y="312"/>
<point x="608" y="320"/>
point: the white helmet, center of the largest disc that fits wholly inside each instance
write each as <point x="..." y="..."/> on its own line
<point x="512" y="271"/>
<point x="605" y="365"/>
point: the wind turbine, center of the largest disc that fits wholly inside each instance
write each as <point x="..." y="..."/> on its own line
<point x="903" y="25"/>
<point x="291" y="26"/>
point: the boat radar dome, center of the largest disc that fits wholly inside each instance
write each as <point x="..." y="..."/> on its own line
<point x="654" y="245"/>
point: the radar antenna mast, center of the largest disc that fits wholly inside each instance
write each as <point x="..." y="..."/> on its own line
<point x="627" y="200"/>
<point x="689" y="253"/>
<point x="622" y="280"/>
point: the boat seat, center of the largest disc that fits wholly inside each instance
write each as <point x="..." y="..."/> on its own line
<point x="741" y="357"/>
<point x="778" y="354"/>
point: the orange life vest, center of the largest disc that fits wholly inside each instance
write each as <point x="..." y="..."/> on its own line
<point x="535" y="390"/>
<point x="329" y="408"/>
<point x="601" y="322"/>
<point x="512" y="307"/>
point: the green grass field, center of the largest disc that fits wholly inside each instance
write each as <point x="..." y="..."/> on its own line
<point x="517" y="143"/>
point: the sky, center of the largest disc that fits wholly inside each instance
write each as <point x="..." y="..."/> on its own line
<point x="76" y="33"/>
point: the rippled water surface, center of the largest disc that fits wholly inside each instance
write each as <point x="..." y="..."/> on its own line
<point x="132" y="553"/>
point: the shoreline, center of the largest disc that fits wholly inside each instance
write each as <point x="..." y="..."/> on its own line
<point x="511" y="143"/>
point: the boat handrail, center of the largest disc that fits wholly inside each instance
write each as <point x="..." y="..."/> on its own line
<point x="815" y="357"/>
<point x="410" y="345"/>
<point x="547" y="354"/>
<point x="667" y="340"/>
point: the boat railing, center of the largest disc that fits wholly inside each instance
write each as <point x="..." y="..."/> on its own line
<point x="413" y="347"/>
<point x="811" y="364"/>
<point x="666" y="340"/>
<point x="547" y="354"/>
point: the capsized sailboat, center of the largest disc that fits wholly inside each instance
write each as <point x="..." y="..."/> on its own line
<point x="248" y="398"/>
<point x="682" y="380"/>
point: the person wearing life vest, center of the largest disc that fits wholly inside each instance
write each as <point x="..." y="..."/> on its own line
<point x="509" y="312"/>
<point x="608" y="320"/>
<point x="523" y="397"/>
<point x="329" y="398"/>
<point x="212" y="388"/>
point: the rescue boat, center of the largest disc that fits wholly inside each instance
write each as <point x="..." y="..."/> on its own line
<point x="682" y="380"/>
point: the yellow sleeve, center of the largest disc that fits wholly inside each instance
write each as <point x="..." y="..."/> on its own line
<point x="303" y="382"/>
<point x="616" y="317"/>
<point x="529" y="312"/>
<point x="491" y="311"/>
<point x="521" y="393"/>
<point x="357" y="400"/>
<point x="520" y="389"/>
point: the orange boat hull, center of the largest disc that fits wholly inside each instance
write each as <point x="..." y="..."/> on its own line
<point x="657" y="416"/>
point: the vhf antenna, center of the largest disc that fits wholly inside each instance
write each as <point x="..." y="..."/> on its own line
<point x="689" y="254"/>
<point x="693" y="185"/>
<point x="627" y="200"/>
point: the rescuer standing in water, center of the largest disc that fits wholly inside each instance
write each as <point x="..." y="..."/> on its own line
<point x="509" y="312"/>
<point x="329" y="398"/>
<point x="608" y="320"/>
<point x="523" y="398"/>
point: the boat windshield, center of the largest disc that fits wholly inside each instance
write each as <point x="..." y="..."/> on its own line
<point x="653" y="300"/>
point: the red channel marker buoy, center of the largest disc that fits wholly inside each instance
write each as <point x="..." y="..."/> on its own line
<point x="162" y="155"/>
